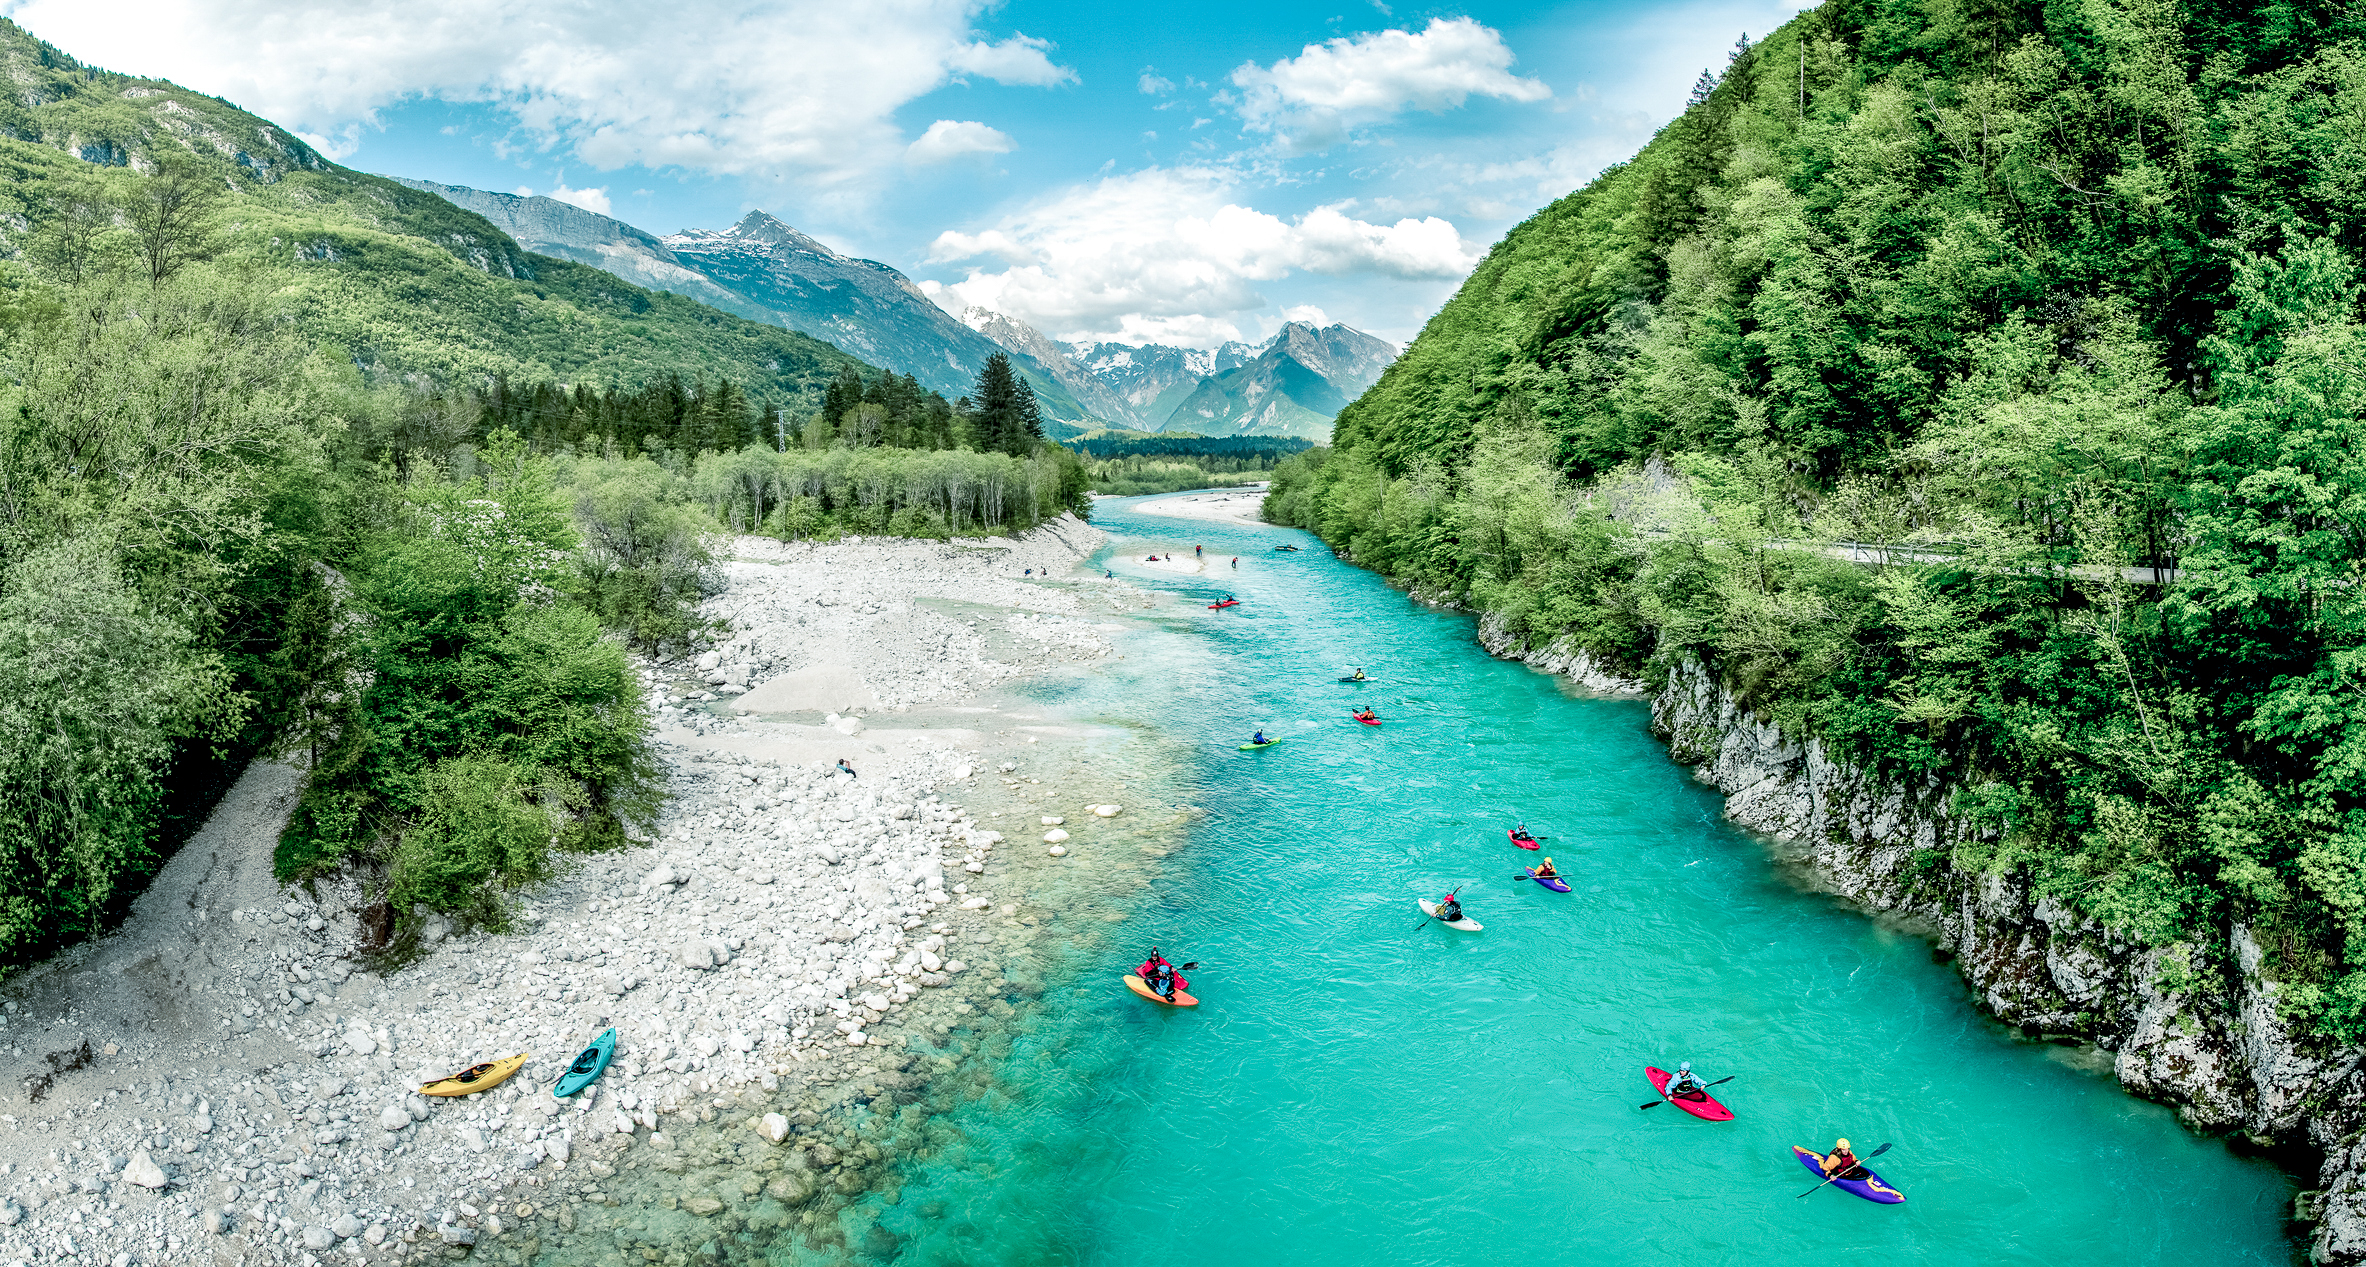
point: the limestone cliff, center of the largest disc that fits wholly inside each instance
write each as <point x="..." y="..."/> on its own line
<point x="2196" y="1028"/>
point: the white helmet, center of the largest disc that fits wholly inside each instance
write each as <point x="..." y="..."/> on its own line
<point x="1685" y="1067"/>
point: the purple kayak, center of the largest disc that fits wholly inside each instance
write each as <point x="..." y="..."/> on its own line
<point x="1872" y="1187"/>
<point x="1553" y="882"/>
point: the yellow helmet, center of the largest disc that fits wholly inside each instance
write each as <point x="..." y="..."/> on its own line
<point x="1840" y="1143"/>
<point x="1548" y="862"/>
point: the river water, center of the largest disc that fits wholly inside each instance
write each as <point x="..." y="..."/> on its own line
<point x="1356" y="1089"/>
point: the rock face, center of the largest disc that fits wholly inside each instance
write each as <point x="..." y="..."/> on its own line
<point x="2202" y="1035"/>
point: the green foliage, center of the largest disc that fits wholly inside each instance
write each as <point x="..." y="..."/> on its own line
<point x="1976" y="389"/>
<point x="488" y="702"/>
<point x="1133" y="476"/>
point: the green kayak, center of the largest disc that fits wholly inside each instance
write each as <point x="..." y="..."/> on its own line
<point x="1267" y="744"/>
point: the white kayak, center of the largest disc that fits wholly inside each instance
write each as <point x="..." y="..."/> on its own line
<point x="1430" y="909"/>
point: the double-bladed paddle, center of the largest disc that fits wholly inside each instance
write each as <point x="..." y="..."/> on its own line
<point x="1664" y="1096"/>
<point x="1860" y="1165"/>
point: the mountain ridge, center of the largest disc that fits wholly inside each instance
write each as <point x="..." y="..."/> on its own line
<point x="766" y="270"/>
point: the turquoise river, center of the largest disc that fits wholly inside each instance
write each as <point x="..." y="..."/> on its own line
<point x="1358" y="1090"/>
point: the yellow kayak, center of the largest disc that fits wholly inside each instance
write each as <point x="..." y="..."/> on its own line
<point x="476" y="1078"/>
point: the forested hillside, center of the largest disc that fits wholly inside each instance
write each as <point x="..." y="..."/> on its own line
<point x="2052" y="309"/>
<point x="400" y="281"/>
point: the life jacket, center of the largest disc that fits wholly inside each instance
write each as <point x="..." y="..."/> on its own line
<point x="1149" y="969"/>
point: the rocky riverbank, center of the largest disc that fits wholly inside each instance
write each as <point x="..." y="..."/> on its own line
<point x="2194" y="1028"/>
<point x="790" y="960"/>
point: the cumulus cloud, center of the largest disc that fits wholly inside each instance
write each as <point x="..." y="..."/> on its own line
<point x="1312" y="100"/>
<point x="952" y="138"/>
<point x="1173" y="251"/>
<point x="804" y="88"/>
<point x="1154" y="84"/>
<point x="593" y="200"/>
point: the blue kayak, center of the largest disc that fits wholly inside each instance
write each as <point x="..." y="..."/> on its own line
<point x="1872" y="1187"/>
<point x="587" y="1067"/>
<point x="1553" y="882"/>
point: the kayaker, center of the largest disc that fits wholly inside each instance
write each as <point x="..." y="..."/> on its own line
<point x="1259" y="737"/>
<point x="1684" y="1083"/>
<point x="1359" y="677"/>
<point x="1544" y="870"/>
<point x="1236" y="562"/>
<point x="1199" y="552"/>
<point x="1840" y="1163"/>
<point x="1521" y="833"/>
<point x="1449" y="909"/>
<point x="1367" y="715"/>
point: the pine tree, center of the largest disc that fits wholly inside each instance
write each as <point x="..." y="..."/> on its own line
<point x="1004" y="416"/>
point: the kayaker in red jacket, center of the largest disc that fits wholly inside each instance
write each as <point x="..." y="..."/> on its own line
<point x="1840" y="1162"/>
<point x="1544" y="870"/>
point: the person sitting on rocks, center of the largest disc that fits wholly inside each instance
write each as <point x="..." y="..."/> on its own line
<point x="844" y="768"/>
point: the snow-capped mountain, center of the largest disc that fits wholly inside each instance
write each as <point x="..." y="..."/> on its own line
<point x="1294" y="384"/>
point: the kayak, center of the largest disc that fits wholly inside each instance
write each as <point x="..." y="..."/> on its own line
<point x="1141" y="987"/>
<point x="476" y="1078"/>
<point x="1553" y="882"/>
<point x="1251" y="747"/>
<point x="1430" y="909"/>
<point x="1230" y="602"/>
<point x="1369" y="721"/>
<point x="587" y="1066"/>
<point x="1359" y="679"/>
<point x="1698" y="1103"/>
<point x="1872" y="1187"/>
<point x="1529" y="843"/>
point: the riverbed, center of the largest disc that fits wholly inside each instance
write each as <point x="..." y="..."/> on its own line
<point x="1358" y="1087"/>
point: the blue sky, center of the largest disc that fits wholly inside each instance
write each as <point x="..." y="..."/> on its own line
<point x="1179" y="172"/>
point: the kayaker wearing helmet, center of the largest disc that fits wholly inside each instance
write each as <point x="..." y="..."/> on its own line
<point x="1544" y="870"/>
<point x="1449" y="908"/>
<point x="1259" y="737"/>
<point x="1359" y="677"/>
<point x="1684" y="1083"/>
<point x="1521" y="833"/>
<point x="1161" y="976"/>
<point x="1367" y="715"/>
<point x="1840" y="1163"/>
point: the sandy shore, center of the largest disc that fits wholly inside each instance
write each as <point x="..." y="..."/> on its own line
<point x="223" y="1081"/>
<point x="1231" y="505"/>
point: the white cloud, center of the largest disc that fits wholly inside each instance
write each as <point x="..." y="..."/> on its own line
<point x="1313" y="99"/>
<point x="952" y="138"/>
<point x="1155" y="85"/>
<point x="1306" y="313"/>
<point x="803" y="88"/>
<point x="593" y="200"/>
<point x="1018" y="60"/>
<point x="1171" y="250"/>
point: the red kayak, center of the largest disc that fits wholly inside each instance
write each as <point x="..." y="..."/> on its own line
<point x="1698" y="1103"/>
<point x="1369" y="721"/>
<point x="1529" y="843"/>
<point x="1230" y="602"/>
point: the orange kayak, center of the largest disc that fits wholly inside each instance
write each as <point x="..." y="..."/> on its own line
<point x="1141" y="987"/>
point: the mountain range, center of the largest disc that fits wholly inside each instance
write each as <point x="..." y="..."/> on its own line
<point x="765" y="270"/>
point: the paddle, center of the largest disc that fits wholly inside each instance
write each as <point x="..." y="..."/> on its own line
<point x="1425" y="922"/>
<point x="1860" y="1164"/>
<point x="1663" y="1099"/>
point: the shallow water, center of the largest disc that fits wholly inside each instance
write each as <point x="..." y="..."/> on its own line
<point x="1356" y="1089"/>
